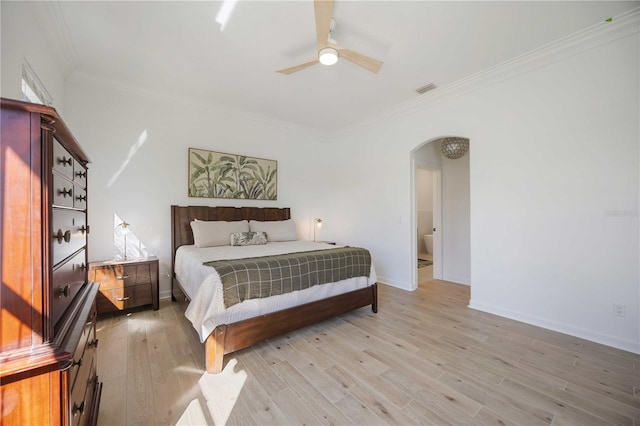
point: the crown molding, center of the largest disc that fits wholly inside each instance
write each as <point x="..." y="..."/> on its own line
<point x="50" y="19"/>
<point x="219" y="109"/>
<point x="621" y="26"/>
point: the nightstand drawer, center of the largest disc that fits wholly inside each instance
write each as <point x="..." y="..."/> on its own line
<point x="119" y="276"/>
<point x="118" y="299"/>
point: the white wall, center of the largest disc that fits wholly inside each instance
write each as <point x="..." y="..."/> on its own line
<point x="22" y="39"/>
<point x="429" y="156"/>
<point x="553" y="149"/>
<point x="140" y="181"/>
<point x="456" y="232"/>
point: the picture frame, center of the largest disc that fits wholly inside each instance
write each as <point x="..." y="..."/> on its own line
<point x="214" y="174"/>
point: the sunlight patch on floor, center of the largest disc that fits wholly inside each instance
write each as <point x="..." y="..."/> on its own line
<point x="193" y="415"/>
<point x="222" y="391"/>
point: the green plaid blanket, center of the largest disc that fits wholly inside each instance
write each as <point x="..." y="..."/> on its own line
<point x="258" y="277"/>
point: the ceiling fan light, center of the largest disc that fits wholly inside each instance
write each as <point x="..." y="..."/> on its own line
<point x="328" y="56"/>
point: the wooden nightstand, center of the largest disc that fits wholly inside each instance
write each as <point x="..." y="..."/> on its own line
<point x="126" y="284"/>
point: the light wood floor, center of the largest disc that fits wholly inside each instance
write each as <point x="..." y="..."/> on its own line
<point x="425" y="358"/>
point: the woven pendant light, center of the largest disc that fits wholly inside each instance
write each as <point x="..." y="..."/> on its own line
<point x="453" y="148"/>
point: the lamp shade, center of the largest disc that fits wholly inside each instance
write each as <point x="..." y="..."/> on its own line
<point x="453" y="148"/>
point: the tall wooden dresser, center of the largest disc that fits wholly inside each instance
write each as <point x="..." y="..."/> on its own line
<point x="48" y="344"/>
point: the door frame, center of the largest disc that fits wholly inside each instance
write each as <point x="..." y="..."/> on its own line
<point x="437" y="225"/>
<point x="437" y="221"/>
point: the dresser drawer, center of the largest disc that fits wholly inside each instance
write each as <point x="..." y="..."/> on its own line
<point x="63" y="192"/>
<point x="79" y="197"/>
<point x="79" y="175"/>
<point x="69" y="233"/>
<point x="90" y="394"/>
<point x="82" y="373"/>
<point x="63" y="162"/>
<point x="86" y="341"/>
<point x="118" y="299"/>
<point x="79" y="402"/>
<point x="68" y="278"/>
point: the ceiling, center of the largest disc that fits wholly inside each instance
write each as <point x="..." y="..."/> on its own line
<point x="178" y="48"/>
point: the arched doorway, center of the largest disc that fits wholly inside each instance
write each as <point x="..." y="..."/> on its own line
<point x="450" y="216"/>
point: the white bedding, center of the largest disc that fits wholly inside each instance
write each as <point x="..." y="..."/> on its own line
<point x="202" y="284"/>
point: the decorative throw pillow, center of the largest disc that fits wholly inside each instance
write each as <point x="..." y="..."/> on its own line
<point x="247" y="238"/>
<point x="216" y="232"/>
<point x="281" y="230"/>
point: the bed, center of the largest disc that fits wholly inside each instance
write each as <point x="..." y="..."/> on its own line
<point x="225" y="330"/>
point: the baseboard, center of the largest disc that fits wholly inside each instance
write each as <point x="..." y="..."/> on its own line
<point x="457" y="280"/>
<point x="615" y="342"/>
<point x="164" y="295"/>
<point x="394" y="283"/>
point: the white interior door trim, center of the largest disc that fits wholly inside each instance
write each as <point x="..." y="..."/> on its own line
<point x="413" y="226"/>
<point x="437" y="225"/>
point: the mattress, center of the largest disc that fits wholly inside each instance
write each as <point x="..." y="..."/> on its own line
<point x="203" y="287"/>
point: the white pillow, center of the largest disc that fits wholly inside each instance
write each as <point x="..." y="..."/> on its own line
<point x="279" y="230"/>
<point x="215" y="233"/>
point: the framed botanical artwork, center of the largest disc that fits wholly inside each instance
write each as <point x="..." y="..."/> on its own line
<point x="219" y="175"/>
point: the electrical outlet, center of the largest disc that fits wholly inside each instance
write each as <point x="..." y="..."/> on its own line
<point x="618" y="309"/>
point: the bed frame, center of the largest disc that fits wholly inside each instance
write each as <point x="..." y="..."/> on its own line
<point x="227" y="338"/>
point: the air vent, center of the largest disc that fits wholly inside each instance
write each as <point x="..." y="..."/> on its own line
<point x="425" y="89"/>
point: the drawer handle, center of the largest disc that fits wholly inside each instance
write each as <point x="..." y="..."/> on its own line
<point x="64" y="161"/>
<point x="64" y="192"/>
<point x="64" y="291"/>
<point x="78" y="363"/>
<point x="83" y="228"/>
<point x="81" y="174"/>
<point x="122" y="299"/>
<point x="60" y="236"/>
<point x="94" y="344"/>
<point x="81" y="198"/>
<point x="123" y="277"/>
<point x="82" y="267"/>
<point x="78" y="408"/>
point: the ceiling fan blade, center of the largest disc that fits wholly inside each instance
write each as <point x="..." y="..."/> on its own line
<point x="324" y="11"/>
<point x="297" y="68"/>
<point x="364" y="61"/>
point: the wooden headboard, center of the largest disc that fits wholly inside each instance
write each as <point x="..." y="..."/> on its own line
<point x="181" y="217"/>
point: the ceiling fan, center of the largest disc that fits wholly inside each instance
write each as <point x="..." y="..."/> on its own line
<point x="328" y="50"/>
